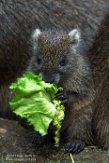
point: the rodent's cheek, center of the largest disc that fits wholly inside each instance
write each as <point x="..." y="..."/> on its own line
<point x="64" y="76"/>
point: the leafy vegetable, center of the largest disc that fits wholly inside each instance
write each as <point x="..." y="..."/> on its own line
<point x="35" y="100"/>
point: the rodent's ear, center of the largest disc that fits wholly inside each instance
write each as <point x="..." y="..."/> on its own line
<point x="74" y="36"/>
<point x="35" y="37"/>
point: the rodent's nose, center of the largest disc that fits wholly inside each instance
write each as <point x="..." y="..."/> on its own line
<point x="51" y="78"/>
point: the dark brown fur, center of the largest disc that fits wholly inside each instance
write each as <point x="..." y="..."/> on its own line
<point x="75" y="78"/>
<point x="99" y="58"/>
<point x="20" y="17"/>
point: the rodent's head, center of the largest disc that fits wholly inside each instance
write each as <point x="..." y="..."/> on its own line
<point x="54" y="54"/>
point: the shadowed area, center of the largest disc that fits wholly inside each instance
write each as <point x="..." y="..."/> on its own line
<point x="15" y="146"/>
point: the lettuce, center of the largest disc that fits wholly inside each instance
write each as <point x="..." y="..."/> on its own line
<point x="35" y="101"/>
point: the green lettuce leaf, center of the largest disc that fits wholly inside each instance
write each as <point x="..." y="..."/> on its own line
<point x="35" y="101"/>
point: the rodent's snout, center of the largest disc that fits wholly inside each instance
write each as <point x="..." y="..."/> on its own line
<point x="51" y="77"/>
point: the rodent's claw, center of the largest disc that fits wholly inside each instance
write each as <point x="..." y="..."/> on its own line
<point x="62" y="96"/>
<point x="75" y="146"/>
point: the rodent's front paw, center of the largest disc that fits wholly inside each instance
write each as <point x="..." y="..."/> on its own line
<point x="63" y="96"/>
<point x="74" y="146"/>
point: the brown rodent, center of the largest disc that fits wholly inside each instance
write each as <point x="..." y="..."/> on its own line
<point x="19" y="18"/>
<point x="99" y="57"/>
<point x="59" y="58"/>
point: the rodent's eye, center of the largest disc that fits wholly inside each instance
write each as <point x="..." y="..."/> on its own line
<point x="39" y="61"/>
<point x="63" y="61"/>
